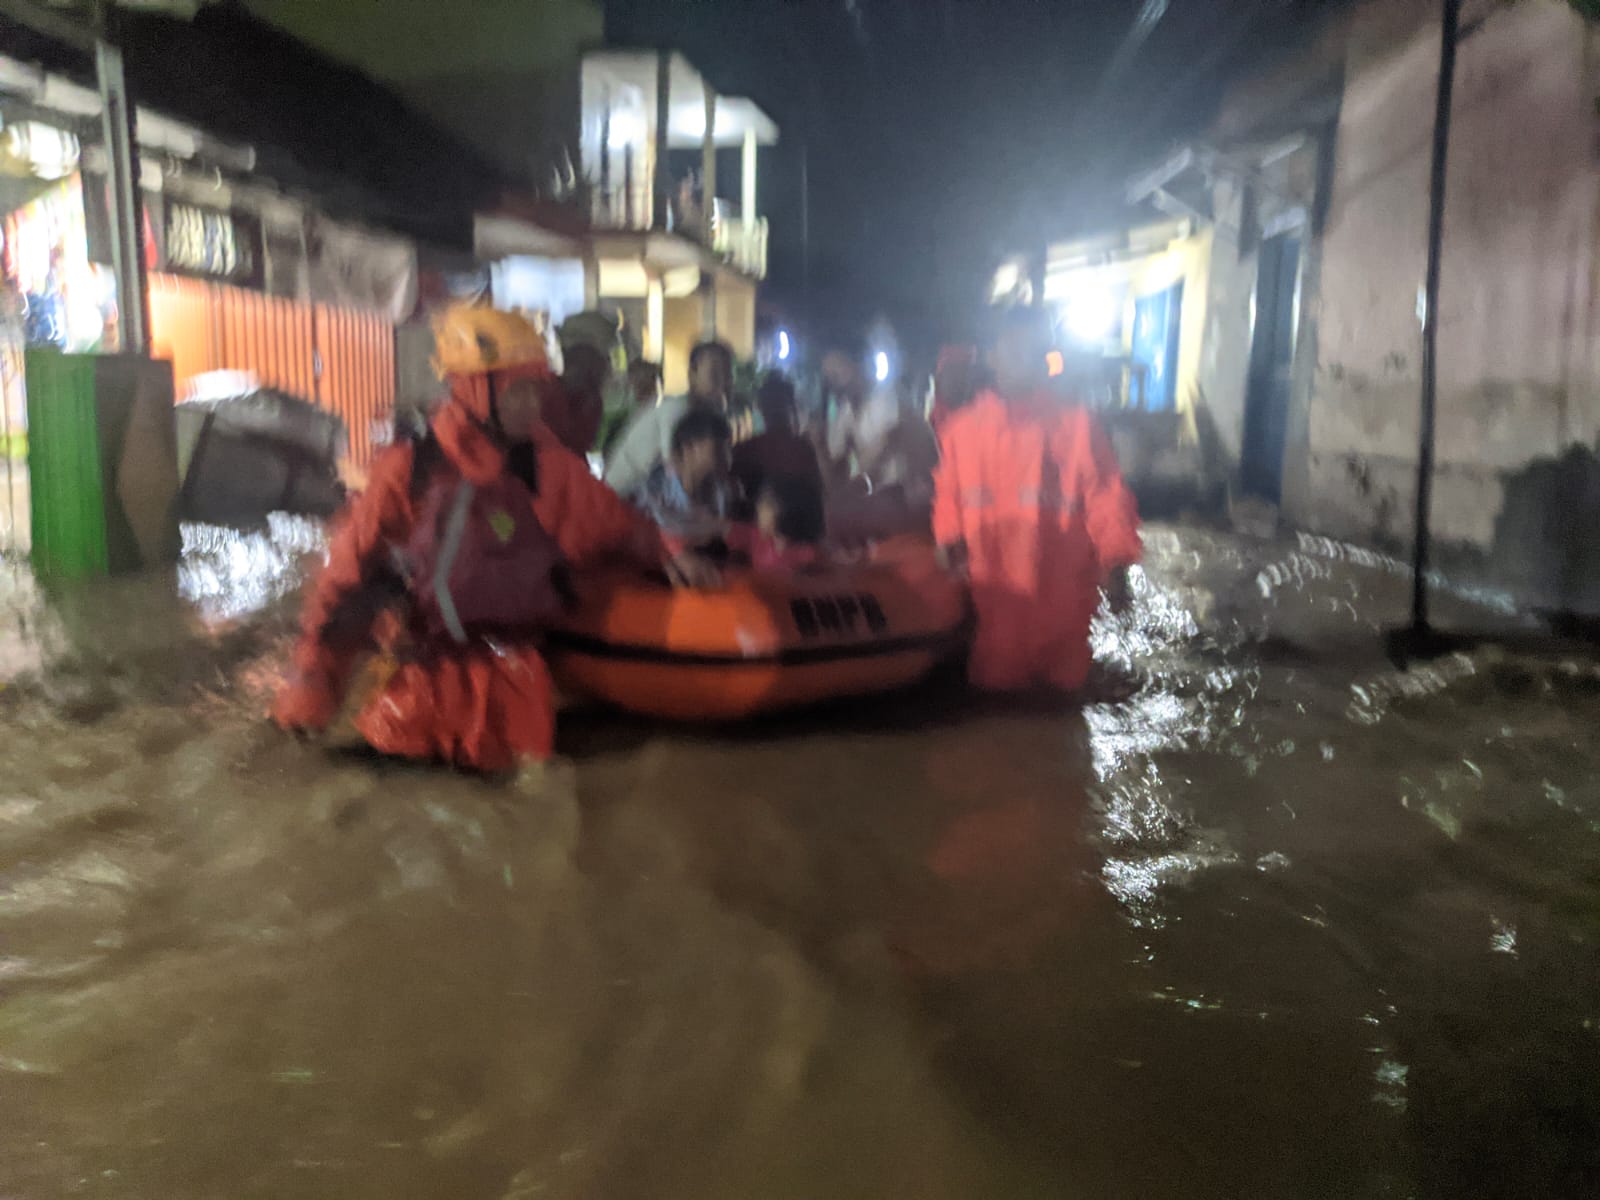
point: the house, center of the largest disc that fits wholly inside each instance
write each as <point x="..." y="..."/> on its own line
<point x="1515" y="488"/>
<point x="297" y="218"/>
<point x="678" y="257"/>
<point x="534" y="88"/>
<point x="1298" y="227"/>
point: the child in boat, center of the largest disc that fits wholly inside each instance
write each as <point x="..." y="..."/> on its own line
<point x="788" y="526"/>
<point x="691" y="496"/>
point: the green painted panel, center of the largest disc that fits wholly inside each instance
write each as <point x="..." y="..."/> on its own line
<point x="64" y="466"/>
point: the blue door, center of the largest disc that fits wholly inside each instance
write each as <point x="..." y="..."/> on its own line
<point x="1155" y="350"/>
<point x="1266" y="402"/>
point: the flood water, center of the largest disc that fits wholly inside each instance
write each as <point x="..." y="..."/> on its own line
<point x="1272" y="919"/>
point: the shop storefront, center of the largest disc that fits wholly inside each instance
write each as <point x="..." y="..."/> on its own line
<point x="53" y="292"/>
<point x="273" y="306"/>
<point x="213" y="272"/>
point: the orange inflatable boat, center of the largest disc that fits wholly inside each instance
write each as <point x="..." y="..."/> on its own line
<point x="762" y="641"/>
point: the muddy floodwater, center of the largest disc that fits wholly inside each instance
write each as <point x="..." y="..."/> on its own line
<point x="1270" y="919"/>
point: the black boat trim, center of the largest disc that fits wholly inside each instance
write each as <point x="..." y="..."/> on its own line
<point x="947" y="642"/>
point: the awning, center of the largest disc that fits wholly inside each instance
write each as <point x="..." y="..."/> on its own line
<point x="497" y="235"/>
<point x="360" y="269"/>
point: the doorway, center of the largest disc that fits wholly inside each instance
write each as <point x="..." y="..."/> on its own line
<point x="1266" y="402"/>
<point x="1156" y="322"/>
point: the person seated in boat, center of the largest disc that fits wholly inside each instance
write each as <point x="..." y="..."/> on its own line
<point x="451" y="562"/>
<point x="575" y="410"/>
<point x="646" y="443"/>
<point x="863" y="415"/>
<point x="881" y="455"/>
<point x="788" y="528"/>
<point x="643" y="393"/>
<point x="780" y="449"/>
<point x="692" y="495"/>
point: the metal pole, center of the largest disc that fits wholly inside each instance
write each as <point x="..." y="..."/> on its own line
<point x="747" y="180"/>
<point x="708" y="168"/>
<point x="805" y="224"/>
<point x="627" y="187"/>
<point x="127" y="213"/>
<point x="660" y="175"/>
<point x="605" y="159"/>
<point x="1448" y="30"/>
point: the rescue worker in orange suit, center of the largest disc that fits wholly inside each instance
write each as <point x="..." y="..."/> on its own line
<point x="955" y="382"/>
<point x="1031" y="506"/>
<point x="576" y="410"/>
<point x="478" y="702"/>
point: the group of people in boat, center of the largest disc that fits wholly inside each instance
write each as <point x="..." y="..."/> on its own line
<point x="423" y="629"/>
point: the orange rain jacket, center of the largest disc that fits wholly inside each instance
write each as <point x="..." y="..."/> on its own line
<point x="480" y="706"/>
<point x="1033" y="492"/>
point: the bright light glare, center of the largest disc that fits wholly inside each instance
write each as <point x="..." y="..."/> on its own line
<point x="1092" y="313"/>
<point x="626" y="129"/>
<point x="1006" y="279"/>
<point x="783" y="345"/>
<point x="881" y="365"/>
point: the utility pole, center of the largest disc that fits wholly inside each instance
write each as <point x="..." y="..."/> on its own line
<point x="805" y="225"/>
<point x="127" y="207"/>
<point x="1448" y="31"/>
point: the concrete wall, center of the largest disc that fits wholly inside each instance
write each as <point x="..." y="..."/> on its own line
<point x="683" y="325"/>
<point x="1519" y="332"/>
<point x="1224" y="360"/>
<point x="736" y="314"/>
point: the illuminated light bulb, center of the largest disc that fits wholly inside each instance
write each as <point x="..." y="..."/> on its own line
<point x="626" y="129"/>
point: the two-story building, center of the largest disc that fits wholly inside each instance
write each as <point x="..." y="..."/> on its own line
<point x="670" y="248"/>
<point x="676" y="245"/>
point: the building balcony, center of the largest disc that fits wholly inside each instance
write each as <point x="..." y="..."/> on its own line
<point x="740" y="243"/>
<point x="652" y="129"/>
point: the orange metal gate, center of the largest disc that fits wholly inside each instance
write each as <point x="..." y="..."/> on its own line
<point x="339" y="358"/>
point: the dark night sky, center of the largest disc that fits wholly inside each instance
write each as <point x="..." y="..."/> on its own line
<point x="943" y="133"/>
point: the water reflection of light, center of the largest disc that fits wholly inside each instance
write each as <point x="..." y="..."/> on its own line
<point x="1150" y="842"/>
<point x="1158" y="620"/>
<point x="1391" y="1080"/>
<point x="1136" y="882"/>
<point x="229" y="573"/>
<point x="1149" y="722"/>
<point x="1372" y="699"/>
<point x="1200" y="1003"/>
<point x="1504" y="938"/>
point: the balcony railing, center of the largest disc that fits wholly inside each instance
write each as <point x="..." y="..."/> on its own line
<point x="740" y="243"/>
<point x="621" y="207"/>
